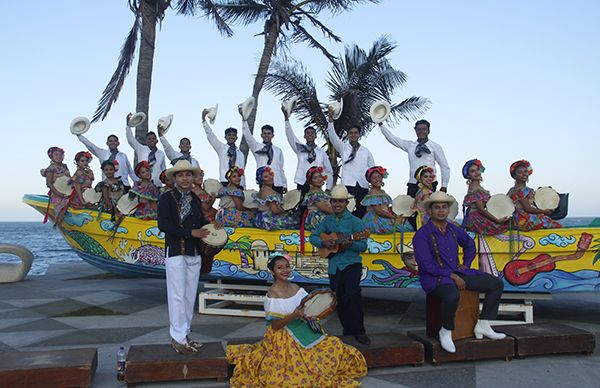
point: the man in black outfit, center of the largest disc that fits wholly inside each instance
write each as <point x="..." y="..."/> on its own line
<point x="180" y="219"/>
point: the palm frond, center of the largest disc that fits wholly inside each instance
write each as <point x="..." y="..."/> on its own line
<point x="242" y="11"/>
<point x="301" y="35"/>
<point x="335" y="6"/>
<point x="188" y="7"/>
<point x="114" y="86"/>
<point x="318" y="24"/>
<point x="209" y="9"/>
<point x="410" y="109"/>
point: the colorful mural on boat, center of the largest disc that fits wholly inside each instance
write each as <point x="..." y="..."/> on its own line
<point x="553" y="260"/>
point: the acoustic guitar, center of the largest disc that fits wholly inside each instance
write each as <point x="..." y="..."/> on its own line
<point x="339" y="238"/>
<point x="518" y="272"/>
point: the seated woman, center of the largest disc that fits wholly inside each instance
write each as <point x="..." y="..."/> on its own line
<point x="290" y="353"/>
<point x="82" y="179"/>
<point x="206" y="200"/>
<point x="379" y="217"/>
<point x="316" y="201"/>
<point x="476" y="218"/>
<point x="528" y="216"/>
<point x="55" y="170"/>
<point x="231" y="209"/>
<point x="425" y="178"/>
<point x="270" y="214"/>
<point x="111" y="187"/>
<point x="146" y="191"/>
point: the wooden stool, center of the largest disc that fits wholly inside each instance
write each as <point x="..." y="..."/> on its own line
<point x="467" y="314"/>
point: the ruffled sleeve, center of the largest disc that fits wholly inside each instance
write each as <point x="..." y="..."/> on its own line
<point x="313" y="197"/>
<point x="517" y="194"/>
<point x="225" y="191"/>
<point x="278" y="308"/>
<point x="277" y="198"/>
<point x="376" y="199"/>
<point x="474" y="196"/>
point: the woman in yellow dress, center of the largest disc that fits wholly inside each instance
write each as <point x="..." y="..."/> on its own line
<point x="290" y="353"/>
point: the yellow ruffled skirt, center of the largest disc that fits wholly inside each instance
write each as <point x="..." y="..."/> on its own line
<point x="279" y="361"/>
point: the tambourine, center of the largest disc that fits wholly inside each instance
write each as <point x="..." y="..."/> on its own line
<point x="319" y="304"/>
<point x="61" y="184"/>
<point x="546" y="198"/>
<point x="249" y="202"/>
<point x="212" y="186"/>
<point x="91" y="196"/>
<point x="500" y="206"/>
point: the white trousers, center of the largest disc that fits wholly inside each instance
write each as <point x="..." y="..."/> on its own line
<point x="183" y="274"/>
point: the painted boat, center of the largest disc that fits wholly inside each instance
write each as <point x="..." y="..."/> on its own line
<point x="540" y="261"/>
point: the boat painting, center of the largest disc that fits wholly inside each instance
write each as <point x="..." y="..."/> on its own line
<point x="547" y="261"/>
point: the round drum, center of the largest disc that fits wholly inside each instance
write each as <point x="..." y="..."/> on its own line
<point x="500" y="206"/>
<point x="91" y="196"/>
<point x="402" y="205"/>
<point x="212" y="186"/>
<point x="249" y="202"/>
<point x="211" y="245"/>
<point x="126" y="205"/>
<point x="319" y="304"/>
<point x="546" y="198"/>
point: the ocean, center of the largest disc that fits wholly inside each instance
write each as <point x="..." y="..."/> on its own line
<point x="49" y="247"/>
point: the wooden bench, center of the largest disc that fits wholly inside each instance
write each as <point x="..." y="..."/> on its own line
<point x="386" y="349"/>
<point x="152" y="363"/>
<point x="549" y="338"/>
<point x="48" y="368"/>
<point x="466" y="350"/>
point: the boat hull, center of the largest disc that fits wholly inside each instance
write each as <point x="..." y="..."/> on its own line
<point x="136" y="248"/>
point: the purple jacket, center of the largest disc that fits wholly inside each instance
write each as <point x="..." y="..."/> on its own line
<point x="431" y="273"/>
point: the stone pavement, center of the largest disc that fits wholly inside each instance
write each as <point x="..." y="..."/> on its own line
<point x="76" y="305"/>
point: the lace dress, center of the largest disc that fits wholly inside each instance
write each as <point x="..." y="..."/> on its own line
<point x="528" y="221"/>
<point x="228" y="214"/>
<point x="294" y="356"/>
<point x="265" y="219"/>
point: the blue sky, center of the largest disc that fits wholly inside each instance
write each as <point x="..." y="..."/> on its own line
<point x="507" y="80"/>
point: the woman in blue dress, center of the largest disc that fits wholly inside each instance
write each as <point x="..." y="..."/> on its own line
<point x="379" y="218"/>
<point x="231" y="208"/>
<point x="316" y="201"/>
<point x="270" y="214"/>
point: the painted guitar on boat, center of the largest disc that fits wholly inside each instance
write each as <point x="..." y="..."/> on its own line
<point x="520" y="272"/>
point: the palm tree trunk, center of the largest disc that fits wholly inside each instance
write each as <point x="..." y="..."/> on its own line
<point x="271" y="37"/>
<point x="145" y="64"/>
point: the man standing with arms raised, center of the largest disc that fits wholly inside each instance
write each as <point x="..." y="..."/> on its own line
<point x="149" y="152"/>
<point x="356" y="159"/>
<point x="266" y="154"/>
<point x="112" y="154"/>
<point x="180" y="219"/>
<point x="309" y="154"/>
<point x="229" y="154"/>
<point x="345" y="266"/>
<point x="435" y="246"/>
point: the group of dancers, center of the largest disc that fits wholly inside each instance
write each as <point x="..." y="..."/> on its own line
<point x="291" y="352"/>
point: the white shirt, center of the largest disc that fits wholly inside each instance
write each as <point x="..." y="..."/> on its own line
<point x="143" y="151"/>
<point x="221" y="149"/>
<point x="353" y="172"/>
<point x="436" y="155"/>
<point x="103" y="154"/>
<point x="172" y="154"/>
<point x="303" y="165"/>
<point x="262" y="159"/>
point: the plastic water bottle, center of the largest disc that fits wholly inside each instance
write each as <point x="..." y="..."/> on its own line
<point x="121" y="356"/>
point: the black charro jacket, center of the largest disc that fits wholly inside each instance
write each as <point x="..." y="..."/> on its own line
<point x="178" y="236"/>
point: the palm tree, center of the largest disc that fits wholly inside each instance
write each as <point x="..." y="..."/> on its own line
<point x="147" y="14"/>
<point x="359" y="78"/>
<point x="243" y="245"/>
<point x="284" y="23"/>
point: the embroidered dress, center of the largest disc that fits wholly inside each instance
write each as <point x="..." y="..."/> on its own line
<point x="148" y="195"/>
<point x="228" y="214"/>
<point x="265" y="219"/>
<point x="115" y="192"/>
<point x="60" y="203"/>
<point x="372" y="220"/>
<point x="420" y="197"/>
<point x="477" y="222"/>
<point x="84" y="178"/>
<point x="294" y="356"/>
<point x="528" y="221"/>
<point x="314" y="214"/>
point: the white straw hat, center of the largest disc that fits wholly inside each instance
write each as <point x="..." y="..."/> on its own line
<point x="290" y="104"/>
<point x="338" y="107"/>
<point x="165" y="122"/>
<point x="80" y="125"/>
<point x="212" y="113"/>
<point x="136" y="119"/>
<point x="182" y="165"/>
<point x="340" y="192"/>
<point x="380" y="110"/>
<point x="247" y="107"/>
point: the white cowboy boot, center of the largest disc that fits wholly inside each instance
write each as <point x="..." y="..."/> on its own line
<point x="446" y="340"/>
<point x="483" y="329"/>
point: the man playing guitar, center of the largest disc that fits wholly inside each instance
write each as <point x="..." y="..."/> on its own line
<point x="345" y="262"/>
